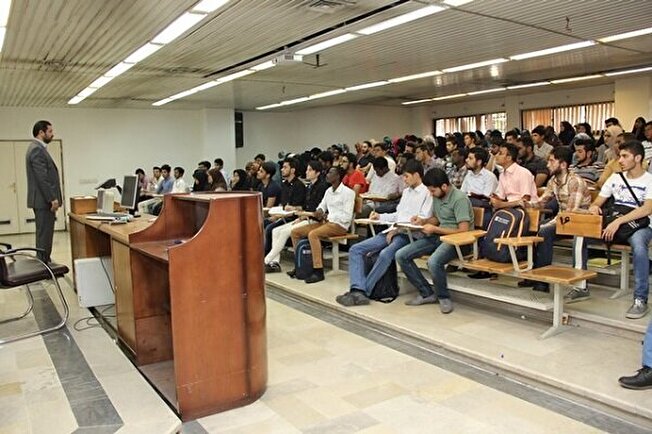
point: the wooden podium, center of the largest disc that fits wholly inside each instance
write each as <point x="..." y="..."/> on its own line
<point x="199" y="302"/>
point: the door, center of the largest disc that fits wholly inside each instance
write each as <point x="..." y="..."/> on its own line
<point x="8" y="191"/>
<point x="26" y="215"/>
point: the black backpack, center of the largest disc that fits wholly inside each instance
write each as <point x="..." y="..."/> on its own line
<point x="303" y="260"/>
<point x="386" y="289"/>
<point x="505" y="223"/>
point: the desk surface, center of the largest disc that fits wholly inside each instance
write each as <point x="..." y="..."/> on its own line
<point x="119" y="232"/>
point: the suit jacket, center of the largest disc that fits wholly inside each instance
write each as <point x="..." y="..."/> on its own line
<point x="43" y="185"/>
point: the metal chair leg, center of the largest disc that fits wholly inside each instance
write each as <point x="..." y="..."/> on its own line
<point x="64" y="303"/>
<point x="30" y="306"/>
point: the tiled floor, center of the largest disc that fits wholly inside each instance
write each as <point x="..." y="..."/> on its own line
<point x="322" y="378"/>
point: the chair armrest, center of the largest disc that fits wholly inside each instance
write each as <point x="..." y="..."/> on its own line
<point x="23" y="249"/>
<point x="462" y="238"/>
<point x="7" y="245"/>
<point x="518" y="241"/>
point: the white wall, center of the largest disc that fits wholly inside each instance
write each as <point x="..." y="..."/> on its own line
<point x="633" y="99"/>
<point x="109" y="143"/>
<point x="296" y="131"/>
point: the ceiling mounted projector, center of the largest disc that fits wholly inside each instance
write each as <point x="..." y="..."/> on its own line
<point x="287" y="58"/>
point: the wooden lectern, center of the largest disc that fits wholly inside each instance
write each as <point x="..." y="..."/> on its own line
<point x="198" y="297"/>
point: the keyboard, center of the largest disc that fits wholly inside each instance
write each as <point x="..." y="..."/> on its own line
<point x="108" y="216"/>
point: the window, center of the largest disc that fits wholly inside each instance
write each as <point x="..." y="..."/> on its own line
<point x="594" y="114"/>
<point x="482" y="122"/>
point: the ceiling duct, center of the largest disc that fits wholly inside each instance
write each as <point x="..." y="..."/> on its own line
<point x="329" y="6"/>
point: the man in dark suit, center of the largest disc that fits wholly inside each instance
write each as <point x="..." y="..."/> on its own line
<point x="43" y="187"/>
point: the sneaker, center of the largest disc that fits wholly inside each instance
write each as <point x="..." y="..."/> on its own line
<point x="642" y="380"/>
<point x="273" y="267"/>
<point x="526" y="283"/>
<point x="637" y="310"/>
<point x="577" y="294"/>
<point x="354" y="297"/>
<point x="420" y="299"/>
<point x="480" y="275"/>
<point x="445" y="305"/>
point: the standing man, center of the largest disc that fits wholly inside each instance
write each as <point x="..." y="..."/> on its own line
<point x="43" y="187"/>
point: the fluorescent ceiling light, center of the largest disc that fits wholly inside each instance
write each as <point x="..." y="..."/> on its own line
<point x="295" y="101"/>
<point x="5" y="5"/>
<point x="208" y="6"/>
<point x="456" y="3"/>
<point x="480" y="92"/>
<point x="182" y="94"/>
<point x="476" y="65"/>
<point x="2" y="36"/>
<point x="367" y="85"/>
<point x="100" y="81"/>
<point x="235" y="75"/>
<point x="142" y="53"/>
<point x="401" y="19"/>
<point x="569" y="80"/>
<point x="75" y="100"/>
<point x="419" y="101"/>
<point x="329" y="93"/>
<point x="619" y="37"/>
<point x="264" y="65"/>
<point x="178" y="27"/>
<point x="553" y="50"/>
<point x="629" y="71"/>
<point x="326" y="44"/>
<point x="524" y="86"/>
<point x="414" y="76"/>
<point x="265" y="107"/>
<point x="86" y="92"/>
<point x="457" y="95"/>
<point x="118" y="69"/>
<point x="162" y="102"/>
<point x="205" y="86"/>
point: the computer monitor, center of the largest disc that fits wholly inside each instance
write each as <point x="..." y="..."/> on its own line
<point x="129" y="192"/>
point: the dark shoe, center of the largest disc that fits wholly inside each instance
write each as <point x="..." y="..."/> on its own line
<point x="316" y="276"/>
<point x="292" y="273"/>
<point x="452" y="268"/>
<point x="273" y="267"/>
<point x="541" y="287"/>
<point x="637" y="310"/>
<point x="642" y="380"/>
<point x="480" y="275"/>
<point x="577" y="294"/>
<point x="354" y="297"/>
<point x="525" y="283"/>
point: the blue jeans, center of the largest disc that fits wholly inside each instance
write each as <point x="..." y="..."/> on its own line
<point x="441" y="254"/>
<point x="371" y="245"/>
<point x="543" y="250"/>
<point x="647" y="347"/>
<point x="640" y="241"/>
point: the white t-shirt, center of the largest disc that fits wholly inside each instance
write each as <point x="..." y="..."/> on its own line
<point x="614" y="186"/>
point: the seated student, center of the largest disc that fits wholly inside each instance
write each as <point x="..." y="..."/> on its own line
<point x="334" y="215"/>
<point x="314" y="194"/>
<point x="218" y="164"/>
<point x="415" y="201"/>
<point x="494" y="147"/>
<point x="456" y="171"/>
<point x="586" y="164"/>
<point x="293" y="195"/>
<point x="143" y="181"/>
<point x="380" y="151"/>
<point x="154" y="180"/>
<point x="386" y="184"/>
<point x="572" y="195"/>
<point x="536" y="165"/>
<point x="613" y="138"/>
<point x="640" y="181"/>
<point x="479" y="183"/>
<point x="354" y="178"/>
<point x="423" y="156"/>
<point x="326" y="160"/>
<point x="167" y="182"/>
<point x="452" y="213"/>
<point x="179" y="185"/>
<point x="643" y="378"/>
<point x="270" y="189"/>
<point x="200" y="181"/>
<point x="204" y="165"/>
<point x="216" y="181"/>
<point x="541" y="148"/>
<point x="239" y="181"/>
<point x="516" y="184"/>
<point x="511" y="136"/>
<point x="252" y="175"/>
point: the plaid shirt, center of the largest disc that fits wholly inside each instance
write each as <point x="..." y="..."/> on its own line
<point x="571" y="192"/>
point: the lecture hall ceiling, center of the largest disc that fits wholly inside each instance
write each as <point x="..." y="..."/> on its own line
<point x="55" y="49"/>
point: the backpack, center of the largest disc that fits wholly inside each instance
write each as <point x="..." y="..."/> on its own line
<point x="303" y="260"/>
<point x="386" y="289"/>
<point x="505" y="223"/>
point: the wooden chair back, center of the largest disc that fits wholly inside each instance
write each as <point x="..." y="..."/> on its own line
<point x="534" y="215"/>
<point x="478" y="216"/>
<point x="584" y="225"/>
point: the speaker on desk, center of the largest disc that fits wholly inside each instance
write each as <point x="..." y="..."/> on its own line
<point x="239" y="131"/>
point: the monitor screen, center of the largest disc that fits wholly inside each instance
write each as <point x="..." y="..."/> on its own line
<point x="129" y="192"/>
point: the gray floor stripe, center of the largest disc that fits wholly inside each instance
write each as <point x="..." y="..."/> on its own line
<point x="193" y="427"/>
<point x="446" y="360"/>
<point x="89" y="403"/>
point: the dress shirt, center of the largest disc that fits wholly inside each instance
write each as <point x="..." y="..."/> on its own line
<point x="293" y="192"/>
<point x="482" y="183"/>
<point x="165" y="185"/>
<point x="543" y="151"/>
<point x="389" y="183"/>
<point x="414" y="202"/>
<point x="339" y="204"/>
<point x="515" y="182"/>
<point x="180" y="186"/>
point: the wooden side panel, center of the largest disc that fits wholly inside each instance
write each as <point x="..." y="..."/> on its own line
<point x="124" y="295"/>
<point x="83" y="205"/>
<point x="585" y="225"/>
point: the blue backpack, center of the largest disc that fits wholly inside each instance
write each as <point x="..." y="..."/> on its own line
<point x="505" y="223"/>
<point x="303" y="260"/>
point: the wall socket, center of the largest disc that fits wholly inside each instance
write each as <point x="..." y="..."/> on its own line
<point x="84" y="181"/>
